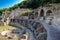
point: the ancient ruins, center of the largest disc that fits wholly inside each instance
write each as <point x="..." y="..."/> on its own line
<point x="42" y="24"/>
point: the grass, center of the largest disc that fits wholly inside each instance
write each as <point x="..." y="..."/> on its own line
<point x="2" y="28"/>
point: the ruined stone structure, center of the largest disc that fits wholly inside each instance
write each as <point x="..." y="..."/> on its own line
<point x="42" y="24"/>
<point x="6" y="16"/>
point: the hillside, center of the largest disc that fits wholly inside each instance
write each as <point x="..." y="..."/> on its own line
<point x="31" y="4"/>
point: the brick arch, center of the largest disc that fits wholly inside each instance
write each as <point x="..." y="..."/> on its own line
<point x="42" y="13"/>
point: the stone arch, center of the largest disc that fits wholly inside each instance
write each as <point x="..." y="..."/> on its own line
<point x="41" y="13"/>
<point x="48" y="13"/>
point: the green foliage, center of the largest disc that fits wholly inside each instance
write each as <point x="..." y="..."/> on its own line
<point x="26" y="13"/>
<point x="35" y="3"/>
<point x="31" y="4"/>
<point x="1" y="12"/>
<point x="55" y="1"/>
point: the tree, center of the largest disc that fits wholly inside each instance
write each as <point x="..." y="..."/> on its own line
<point x="30" y="4"/>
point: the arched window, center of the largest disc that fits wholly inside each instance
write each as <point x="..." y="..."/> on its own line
<point x="41" y="13"/>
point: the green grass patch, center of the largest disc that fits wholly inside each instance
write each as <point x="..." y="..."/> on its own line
<point x="2" y="28"/>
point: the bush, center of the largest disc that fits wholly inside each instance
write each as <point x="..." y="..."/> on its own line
<point x="26" y="13"/>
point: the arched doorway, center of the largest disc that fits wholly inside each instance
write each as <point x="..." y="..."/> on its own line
<point x="48" y="13"/>
<point x="41" y="13"/>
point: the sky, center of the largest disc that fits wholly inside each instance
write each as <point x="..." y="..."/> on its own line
<point x="8" y="3"/>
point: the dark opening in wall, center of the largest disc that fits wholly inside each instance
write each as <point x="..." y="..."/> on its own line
<point x="48" y="13"/>
<point x="41" y="13"/>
